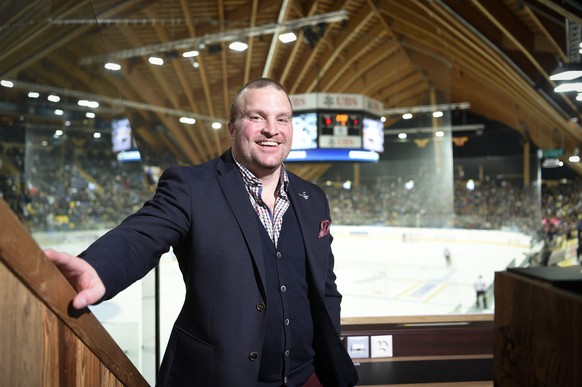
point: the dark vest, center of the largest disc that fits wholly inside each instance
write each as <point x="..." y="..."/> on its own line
<point x="287" y="355"/>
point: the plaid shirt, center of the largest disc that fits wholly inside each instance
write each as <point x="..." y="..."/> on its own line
<point x="271" y="221"/>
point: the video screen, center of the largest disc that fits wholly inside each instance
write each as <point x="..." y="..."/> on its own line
<point x="373" y="134"/>
<point x="304" y="131"/>
<point x="121" y="138"/>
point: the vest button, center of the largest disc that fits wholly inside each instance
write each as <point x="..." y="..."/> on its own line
<point x="283" y="288"/>
<point x="279" y="254"/>
<point x="261" y="306"/>
<point x="253" y="356"/>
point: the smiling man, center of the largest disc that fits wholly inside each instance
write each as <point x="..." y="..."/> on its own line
<point x="261" y="132"/>
<point x="253" y="243"/>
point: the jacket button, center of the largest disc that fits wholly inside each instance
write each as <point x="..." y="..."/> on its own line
<point x="261" y="306"/>
<point x="253" y="356"/>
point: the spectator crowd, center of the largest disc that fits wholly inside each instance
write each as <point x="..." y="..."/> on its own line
<point x="63" y="188"/>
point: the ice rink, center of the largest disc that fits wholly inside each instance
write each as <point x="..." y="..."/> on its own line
<point x="388" y="272"/>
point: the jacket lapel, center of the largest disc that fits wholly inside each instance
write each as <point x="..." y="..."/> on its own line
<point x="237" y="197"/>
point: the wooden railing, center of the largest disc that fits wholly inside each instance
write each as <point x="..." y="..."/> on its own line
<point x="43" y="341"/>
<point x="538" y="320"/>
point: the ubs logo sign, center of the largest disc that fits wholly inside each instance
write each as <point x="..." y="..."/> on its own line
<point x="298" y="102"/>
<point x="328" y="101"/>
<point x="340" y="101"/>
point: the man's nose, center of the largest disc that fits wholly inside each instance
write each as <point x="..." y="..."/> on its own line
<point x="270" y="127"/>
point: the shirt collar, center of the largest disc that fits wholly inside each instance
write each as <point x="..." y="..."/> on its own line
<point x="251" y="180"/>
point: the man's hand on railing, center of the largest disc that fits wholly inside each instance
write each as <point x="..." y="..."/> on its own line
<point x="81" y="275"/>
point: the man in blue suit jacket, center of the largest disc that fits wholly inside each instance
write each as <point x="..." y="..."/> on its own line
<point x="253" y="244"/>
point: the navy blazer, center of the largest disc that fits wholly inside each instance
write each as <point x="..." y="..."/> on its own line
<point x="204" y="213"/>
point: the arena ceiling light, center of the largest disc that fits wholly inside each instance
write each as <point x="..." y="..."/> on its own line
<point x="191" y="54"/>
<point x="155" y="60"/>
<point x="112" y="66"/>
<point x="567" y="87"/>
<point x="552" y="163"/>
<point x="188" y="120"/>
<point x="288" y="37"/>
<point x="567" y="72"/>
<point x="87" y="103"/>
<point x="238" y="46"/>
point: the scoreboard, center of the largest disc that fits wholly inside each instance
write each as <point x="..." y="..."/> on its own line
<point x="340" y="130"/>
<point x="336" y="127"/>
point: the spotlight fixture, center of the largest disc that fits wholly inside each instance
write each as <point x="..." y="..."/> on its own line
<point x="552" y="163"/>
<point x="112" y="66"/>
<point x="191" y="53"/>
<point x="287" y="37"/>
<point x="87" y="103"/>
<point x="567" y="87"/>
<point x="188" y="120"/>
<point x="567" y="72"/>
<point x="156" y="60"/>
<point x="238" y="46"/>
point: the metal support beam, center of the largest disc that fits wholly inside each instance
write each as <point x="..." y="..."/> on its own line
<point x="225" y="36"/>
